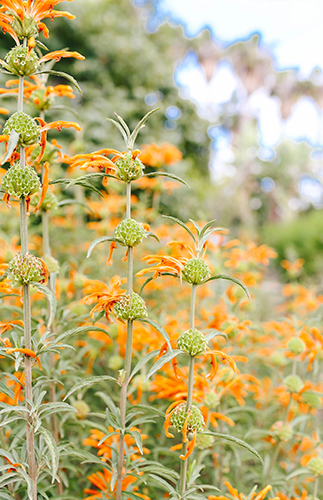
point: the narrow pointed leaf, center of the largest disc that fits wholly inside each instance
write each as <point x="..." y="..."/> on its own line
<point x="52" y="448"/>
<point x="97" y="242"/>
<point x="167" y="174"/>
<point x="12" y="143"/>
<point x="159" y="329"/>
<point x="230" y="278"/>
<point x="52" y="301"/>
<point x="63" y="75"/>
<point x="139" y="126"/>
<point x="123" y="123"/>
<point x="88" y="382"/>
<point x="143" y="361"/>
<point x="236" y="441"/>
<point x="178" y="221"/>
<point x="161" y="362"/>
<point x="121" y="130"/>
<point x="148" y="280"/>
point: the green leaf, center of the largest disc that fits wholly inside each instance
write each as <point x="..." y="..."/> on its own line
<point x="71" y="201"/>
<point x="206" y="227"/>
<point x="138" y="439"/>
<point x="123" y="123"/>
<point x="52" y="301"/>
<point x="178" y="221"/>
<point x="167" y="174"/>
<point x="78" y="330"/>
<point x="153" y="235"/>
<point x="162" y="481"/>
<point x="162" y="361"/>
<point x="12" y="143"/>
<point x="139" y="126"/>
<point x="52" y="448"/>
<point x="103" y="239"/>
<point x="121" y="130"/>
<point x="215" y="333"/>
<point x="87" y="382"/>
<point x="148" y="280"/>
<point x="236" y="441"/>
<point x="230" y="278"/>
<point x="142" y="362"/>
<point x="159" y="329"/>
<point x="63" y="75"/>
<point x="84" y="178"/>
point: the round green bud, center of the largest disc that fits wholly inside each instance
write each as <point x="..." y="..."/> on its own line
<point x="196" y="271"/>
<point x="129" y="168"/>
<point x="296" y="346"/>
<point x="21" y="62"/>
<point x="21" y="182"/>
<point x="195" y="421"/>
<point x="312" y="399"/>
<point x="82" y="408"/>
<point x="278" y="359"/>
<point x="212" y="400"/>
<point x="41" y="100"/>
<point x="25" y="126"/>
<point x="26" y="28"/>
<point x="115" y="362"/>
<point x="50" y="202"/>
<point x="192" y="342"/>
<point x="293" y="383"/>
<point x="24" y="269"/>
<point x="203" y="441"/>
<point x="130" y="232"/>
<point x="282" y="431"/>
<point x="315" y="466"/>
<point x="52" y="264"/>
<point x="130" y="307"/>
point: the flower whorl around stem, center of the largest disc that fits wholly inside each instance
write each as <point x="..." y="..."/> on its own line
<point x="49" y="204"/>
<point x="24" y="269"/>
<point x="296" y="346"/>
<point x="25" y="126"/>
<point x="130" y="232"/>
<point x="130" y="307"/>
<point x="284" y="432"/>
<point x="293" y="383"/>
<point x="20" y="182"/>
<point x="204" y="441"/>
<point x="129" y="168"/>
<point x="312" y="399"/>
<point x="315" y="466"/>
<point x="192" y="342"/>
<point x="195" y="421"/>
<point x="196" y="271"/>
<point x="52" y="264"/>
<point x="21" y="62"/>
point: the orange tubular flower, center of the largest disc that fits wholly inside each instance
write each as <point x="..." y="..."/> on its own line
<point x="36" y="9"/>
<point x="240" y="496"/>
<point x="105" y="297"/>
<point x="58" y="125"/>
<point x="58" y="54"/>
<point x="45" y="186"/>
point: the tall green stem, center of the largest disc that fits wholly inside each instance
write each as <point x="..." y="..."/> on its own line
<point x="27" y="321"/>
<point x="316" y="487"/>
<point x="128" y="359"/>
<point x="183" y="470"/>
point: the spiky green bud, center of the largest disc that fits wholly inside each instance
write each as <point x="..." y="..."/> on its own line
<point x="25" y="126"/>
<point x="296" y="346"/>
<point x="130" y="232"/>
<point x="315" y="466"/>
<point x="282" y="431"/>
<point x="196" y="271"/>
<point x="129" y="169"/>
<point x="293" y="383"/>
<point x="195" y="420"/>
<point x="24" y="269"/>
<point x="212" y="400"/>
<point x="203" y="441"/>
<point x="52" y="264"/>
<point x="131" y="307"/>
<point x="50" y="202"/>
<point x="26" y="28"/>
<point x="82" y="408"/>
<point x="21" y="182"/>
<point x="312" y="399"/>
<point x="192" y="341"/>
<point x="21" y="62"/>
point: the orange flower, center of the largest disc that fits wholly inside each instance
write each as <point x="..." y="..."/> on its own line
<point x="18" y="10"/>
<point x="58" y="54"/>
<point x="156" y="156"/>
<point x="240" y="496"/>
<point x="104" y="296"/>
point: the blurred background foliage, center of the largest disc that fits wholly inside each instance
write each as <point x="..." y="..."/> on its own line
<point x="130" y="70"/>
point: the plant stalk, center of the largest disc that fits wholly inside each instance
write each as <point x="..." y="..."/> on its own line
<point x="316" y="487"/>
<point x="183" y="469"/>
<point x="27" y="322"/>
<point x="128" y="359"/>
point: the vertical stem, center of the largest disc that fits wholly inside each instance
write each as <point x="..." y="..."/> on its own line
<point x="27" y="321"/>
<point x="128" y="359"/>
<point x="316" y="487"/>
<point x="183" y="469"/>
<point x="273" y="460"/>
